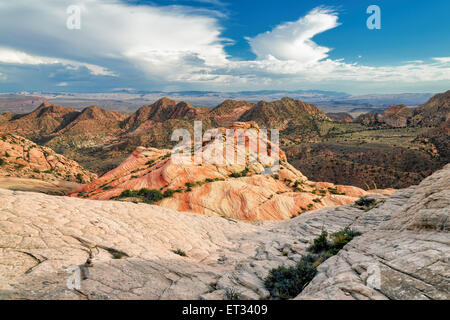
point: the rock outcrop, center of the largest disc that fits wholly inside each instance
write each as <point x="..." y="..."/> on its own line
<point x="405" y="257"/>
<point x="242" y="192"/>
<point x="69" y="248"/>
<point x="395" y="117"/>
<point x="23" y="158"/>
<point x="434" y="112"/>
<point x="343" y="117"/>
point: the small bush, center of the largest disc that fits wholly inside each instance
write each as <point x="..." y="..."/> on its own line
<point x="2" y="161"/>
<point x="366" y="203"/>
<point x="341" y="238"/>
<point x="168" y="193"/>
<point x="243" y="173"/>
<point x="189" y="184"/>
<point x="285" y="283"/>
<point x="128" y="194"/>
<point x="320" y="243"/>
<point x="118" y="255"/>
<point x="232" y="294"/>
<point x="180" y="252"/>
<point x="150" y="195"/>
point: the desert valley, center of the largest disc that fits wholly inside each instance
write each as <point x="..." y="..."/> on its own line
<point x="95" y="195"/>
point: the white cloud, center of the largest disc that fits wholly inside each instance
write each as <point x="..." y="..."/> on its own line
<point x="9" y="56"/>
<point x="159" y="41"/>
<point x="293" y="40"/>
<point x="179" y="46"/>
<point x="288" y="52"/>
<point x="443" y="59"/>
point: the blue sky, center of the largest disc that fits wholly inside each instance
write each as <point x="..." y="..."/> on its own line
<point x="225" y="45"/>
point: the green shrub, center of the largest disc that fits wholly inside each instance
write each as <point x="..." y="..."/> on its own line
<point x="320" y="243"/>
<point x="118" y="255"/>
<point x="180" y="252"/>
<point x="189" y="186"/>
<point x="287" y="282"/>
<point x="341" y="238"/>
<point x="243" y="173"/>
<point x="150" y="195"/>
<point x="168" y="193"/>
<point x="129" y="194"/>
<point x="366" y="203"/>
<point x="2" y="161"/>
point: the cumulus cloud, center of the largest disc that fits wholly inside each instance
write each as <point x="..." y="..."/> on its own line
<point x="293" y="40"/>
<point x="9" y="56"/>
<point x="129" y="45"/>
<point x="158" y="41"/>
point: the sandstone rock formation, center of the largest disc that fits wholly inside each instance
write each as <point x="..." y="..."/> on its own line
<point x="340" y="117"/>
<point x="395" y="117"/>
<point x="46" y="242"/>
<point x="405" y="257"/>
<point x="22" y="158"/>
<point x="221" y="189"/>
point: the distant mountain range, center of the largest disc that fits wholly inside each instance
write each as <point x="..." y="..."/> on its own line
<point x="128" y="100"/>
<point x="340" y="151"/>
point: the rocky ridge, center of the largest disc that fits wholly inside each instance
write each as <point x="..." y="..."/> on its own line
<point x="242" y="192"/>
<point x="23" y="158"/>
<point x="127" y="251"/>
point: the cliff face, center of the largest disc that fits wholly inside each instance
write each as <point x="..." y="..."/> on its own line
<point x="402" y="253"/>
